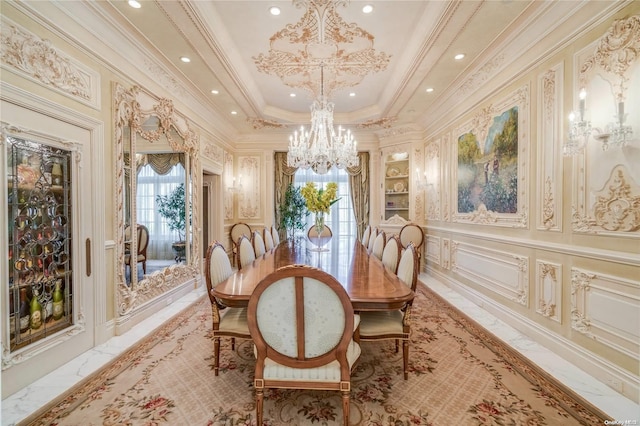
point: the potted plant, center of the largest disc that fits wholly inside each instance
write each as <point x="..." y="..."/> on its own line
<point x="293" y="211"/>
<point x="172" y="208"/>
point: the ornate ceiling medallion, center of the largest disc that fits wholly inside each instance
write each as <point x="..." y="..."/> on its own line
<point x="321" y="39"/>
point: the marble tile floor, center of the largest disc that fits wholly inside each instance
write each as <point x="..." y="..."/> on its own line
<point x="29" y="400"/>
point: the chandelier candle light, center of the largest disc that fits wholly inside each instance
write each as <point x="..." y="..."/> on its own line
<point x="321" y="147"/>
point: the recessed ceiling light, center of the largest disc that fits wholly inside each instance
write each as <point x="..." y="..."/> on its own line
<point x="367" y="9"/>
<point x="293" y="95"/>
<point x="215" y="92"/>
<point x="234" y="112"/>
<point x="274" y="10"/>
<point x="134" y="4"/>
<point x="429" y="89"/>
<point x="352" y="94"/>
<point x="459" y="56"/>
<point x="185" y="59"/>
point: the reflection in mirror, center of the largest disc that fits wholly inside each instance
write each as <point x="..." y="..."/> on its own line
<point x="156" y="158"/>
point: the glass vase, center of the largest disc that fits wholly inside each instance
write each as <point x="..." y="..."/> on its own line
<point x="320" y="222"/>
<point x="319" y="239"/>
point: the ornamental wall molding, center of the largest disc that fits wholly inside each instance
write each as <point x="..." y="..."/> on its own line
<point x="260" y="123"/>
<point x="617" y="206"/>
<point x="615" y="53"/>
<point x="482" y="75"/>
<point x="321" y="41"/>
<point x="580" y="284"/>
<point x="382" y="123"/>
<point x="212" y="151"/>
<point x="37" y="59"/>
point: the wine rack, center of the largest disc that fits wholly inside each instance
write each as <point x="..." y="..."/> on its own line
<point x="40" y="240"/>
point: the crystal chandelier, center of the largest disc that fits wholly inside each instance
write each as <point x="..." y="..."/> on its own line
<point x="322" y="147"/>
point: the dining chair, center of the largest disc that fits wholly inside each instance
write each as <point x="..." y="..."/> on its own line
<point x="227" y="322"/>
<point x="275" y="235"/>
<point x="372" y="239"/>
<point x="237" y="230"/>
<point x="365" y="236"/>
<point x="246" y="253"/>
<point x="142" y="235"/>
<point x="386" y="325"/>
<point x="412" y="233"/>
<point x="378" y="244"/>
<point x="391" y="253"/>
<point x="268" y="239"/>
<point x="259" y="247"/>
<point x="302" y="324"/>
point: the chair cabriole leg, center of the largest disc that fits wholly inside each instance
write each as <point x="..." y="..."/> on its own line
<point x="405" y="358"/>
<point x="216" y="355"/>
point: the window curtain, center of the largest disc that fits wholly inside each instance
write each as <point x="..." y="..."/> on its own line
<point x="160" y="163"/>
<point x="359" y="185"/>
<point x="283" y="177"/>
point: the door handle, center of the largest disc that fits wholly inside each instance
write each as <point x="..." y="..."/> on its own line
<point x="87" y="247"/>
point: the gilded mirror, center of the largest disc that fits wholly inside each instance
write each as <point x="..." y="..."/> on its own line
<point x="156" y="164"/>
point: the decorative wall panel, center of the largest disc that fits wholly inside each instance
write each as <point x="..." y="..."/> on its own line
<point x="549" y="290"/>
<point x="446" y="253"/>
<point x="432" y="170"/>
<point x="250" y="199"/>
<point x="492" y="156"/>
<point x="606" y="193"/>
<point x="432" y="249"/>
<point x="37" y="59"/>
<point x="227" y="181"/>
<point x="212" y="152"/>
<point x="501" y="272"/>
<point x="549" y="187"/>
<point x="605" y="308"/>
<point x="445" y="176"/>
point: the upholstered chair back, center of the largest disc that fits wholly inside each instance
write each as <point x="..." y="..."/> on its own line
<point x="408" y="267"/>
<point x="219" y="266"/>
<point x="378" y="244"/>
<point x="258" y="244"/>
<point x="411" y="233"/>
<point x="275" y="235"/>
<point x="391" y="253"/>
<point x="365" y="236"/>
<point x="246" y="253"/>
<point x="268" y="239"/>
<point x="372" y="239"/>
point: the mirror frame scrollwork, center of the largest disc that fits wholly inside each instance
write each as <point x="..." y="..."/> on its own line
<point x="131" y="109"/>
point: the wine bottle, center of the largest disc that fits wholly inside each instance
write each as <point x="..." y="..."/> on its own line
<point x="58" y="302"/>
<point x="35" y="312"/>
<point x="12" y="316"/>
<point x="24" y="311"/>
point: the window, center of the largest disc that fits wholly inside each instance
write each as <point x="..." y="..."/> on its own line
<point x="151" y="184"/>
<point x="341" y="219"/>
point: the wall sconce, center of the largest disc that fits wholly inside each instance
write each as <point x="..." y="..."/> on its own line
<point x="236" y="187"/>
<point x="616" y="133"/>
<point x="579" y="130"/>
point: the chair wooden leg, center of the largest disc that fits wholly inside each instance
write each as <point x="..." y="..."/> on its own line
<point x="345" y="408"/>
<point x="259" y="398"/>
<point x="233" y="343"/>
<point x="216" y="355"/>
<point x="405" y="358"/>
<point x="397" y="345"/>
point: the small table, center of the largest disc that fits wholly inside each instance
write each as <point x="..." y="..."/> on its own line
<point x="369" y="284"/>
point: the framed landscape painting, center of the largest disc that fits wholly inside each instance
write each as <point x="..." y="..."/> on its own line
<point x="491" y="151"/>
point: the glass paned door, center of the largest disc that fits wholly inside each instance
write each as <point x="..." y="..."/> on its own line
<point x="40" y="287"/>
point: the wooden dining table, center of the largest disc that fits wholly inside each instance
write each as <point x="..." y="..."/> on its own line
<point x="369" y="284"/>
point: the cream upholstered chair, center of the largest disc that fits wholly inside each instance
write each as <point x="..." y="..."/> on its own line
<point x="275" y="235"/>
<point x="365" y="236"/>
<point x="391" y="253"/>
<point x="238" y="230"/>
<point x="302" y="324"/>
<point x="381" y="325"/>
<point x="246" y="253"/>
<point x="268" y="239"/>
<point x="142" y="235"/>
<point x="412" y="233"/>
<point x="258" y="244"/>
<point x="378" y="244"/>
<point x="227" y="322"/>
<point x="372" y="239"/>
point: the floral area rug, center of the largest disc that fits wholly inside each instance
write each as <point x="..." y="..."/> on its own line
<point x="459" y="375"/>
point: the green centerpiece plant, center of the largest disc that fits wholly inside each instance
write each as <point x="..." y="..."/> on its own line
<point x="319" y="201"/>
